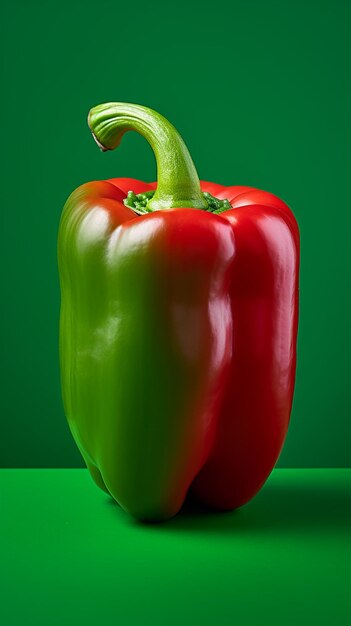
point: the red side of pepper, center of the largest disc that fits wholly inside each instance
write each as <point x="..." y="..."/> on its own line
<point x="255" y="413"/>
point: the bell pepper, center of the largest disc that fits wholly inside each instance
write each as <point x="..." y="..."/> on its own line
<point x="178" y="327"/>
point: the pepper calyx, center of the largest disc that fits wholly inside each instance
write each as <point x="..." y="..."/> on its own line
<point x="139" y="202"/>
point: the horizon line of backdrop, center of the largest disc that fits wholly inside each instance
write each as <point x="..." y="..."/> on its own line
<point x="260" y="91"/>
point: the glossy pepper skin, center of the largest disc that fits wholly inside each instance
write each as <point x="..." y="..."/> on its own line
<point x="178" y="329"/>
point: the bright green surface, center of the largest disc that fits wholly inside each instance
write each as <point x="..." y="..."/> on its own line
<point x="71" y="556"/>
<point x="275" y="74"/>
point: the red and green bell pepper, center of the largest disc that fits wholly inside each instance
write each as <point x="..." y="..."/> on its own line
<point x="178" y="327"/>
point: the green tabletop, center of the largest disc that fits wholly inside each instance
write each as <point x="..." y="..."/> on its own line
<point x="72" y="556"/>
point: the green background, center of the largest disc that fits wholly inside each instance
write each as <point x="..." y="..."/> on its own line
<point x="260" y="92"/>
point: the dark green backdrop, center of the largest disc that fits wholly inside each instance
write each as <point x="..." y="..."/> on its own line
<point x="261" y="93"/>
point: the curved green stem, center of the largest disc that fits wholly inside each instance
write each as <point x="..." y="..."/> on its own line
<point x="178" y="183"/>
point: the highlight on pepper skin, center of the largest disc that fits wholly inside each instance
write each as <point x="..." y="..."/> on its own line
<point x="178" y="327"/>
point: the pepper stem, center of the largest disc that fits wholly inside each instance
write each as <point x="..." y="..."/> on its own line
<point x="178" y="183"/>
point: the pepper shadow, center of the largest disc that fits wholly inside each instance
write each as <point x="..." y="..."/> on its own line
<point x="298" y="505"/>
